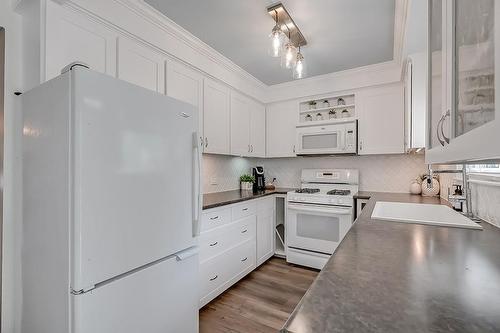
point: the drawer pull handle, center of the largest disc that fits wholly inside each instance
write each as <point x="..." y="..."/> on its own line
<point x="214" y="218"/>
<point x="245" y="209"/>
<point x="215" y="277"/>
<point x="244" y="259"/>
<point x="243" y="231"/>
<point x="213" y="244"/>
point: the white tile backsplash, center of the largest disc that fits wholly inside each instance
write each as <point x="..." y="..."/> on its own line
<point x="383" y="173"/>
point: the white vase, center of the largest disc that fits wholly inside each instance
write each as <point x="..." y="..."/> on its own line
<point x="246" y="186"/>
<point x="430" y="192"/>
<point x="415" y="188"/>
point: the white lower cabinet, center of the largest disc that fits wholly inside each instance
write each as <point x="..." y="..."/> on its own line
<point x="234" y="240"/>
<point x="265" y="229"/>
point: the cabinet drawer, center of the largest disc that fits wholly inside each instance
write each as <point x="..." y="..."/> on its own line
<point x="214" y="242"/>
<point x="215" y="218"/>
<point x="219" y="273"/>
<point x="242" y="210"/>
<point x="265" y="205"/>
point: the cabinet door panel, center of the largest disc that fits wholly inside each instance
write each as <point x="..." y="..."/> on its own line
<point x="216" y="122"/>
<point x="141" y="65"/>
<point x="381" y="122"/>
<point x="240" y="125"/>
<point x="72" y="37"/>
<point x="265" y="236"/>
<point x="186" y="85"/>
<point x="258" y="130"/>
<point x="469" y="117"/>
<point x="281" y="119"/>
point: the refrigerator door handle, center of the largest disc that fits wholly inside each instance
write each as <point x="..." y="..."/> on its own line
<point x="188" y="253"/>
<point x="197" y="195"/>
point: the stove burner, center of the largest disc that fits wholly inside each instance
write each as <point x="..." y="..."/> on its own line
<point x="307" y="190"/>
<point x="339" y="192"/>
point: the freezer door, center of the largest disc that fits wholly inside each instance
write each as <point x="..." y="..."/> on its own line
<point x="162" y="298"/>
<point x="134" y="160"/>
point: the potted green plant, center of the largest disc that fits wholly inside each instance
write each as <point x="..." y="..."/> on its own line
<point x="246" y="182"/>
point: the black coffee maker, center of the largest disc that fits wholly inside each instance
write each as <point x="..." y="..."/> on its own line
<point x="260" y="181"/>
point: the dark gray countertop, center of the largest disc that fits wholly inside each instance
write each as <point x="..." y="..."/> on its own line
<point x="212" y="200"/>
<point x="398" y="277"/>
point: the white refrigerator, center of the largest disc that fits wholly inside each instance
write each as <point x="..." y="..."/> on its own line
<point x="111" y="206"/>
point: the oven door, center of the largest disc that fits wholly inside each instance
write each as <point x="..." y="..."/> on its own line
<point x="317" y="228"/>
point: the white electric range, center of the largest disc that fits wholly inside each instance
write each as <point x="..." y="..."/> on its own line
<point x="319" y="215"/>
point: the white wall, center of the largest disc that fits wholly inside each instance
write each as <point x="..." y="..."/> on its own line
<point x="383" y="173"/>
<point x="12" y="171"/>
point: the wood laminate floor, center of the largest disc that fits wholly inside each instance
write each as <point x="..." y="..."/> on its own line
<point x="259" y="303"/>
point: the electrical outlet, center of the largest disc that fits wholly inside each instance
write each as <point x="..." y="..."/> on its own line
<point x="213" y="180"/>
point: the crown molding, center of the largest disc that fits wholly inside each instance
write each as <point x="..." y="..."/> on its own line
<point x="202" y="57"/>
<point x="152" y="15"/>
<point x="401" y="10"/>
<point x="355" y="78"/>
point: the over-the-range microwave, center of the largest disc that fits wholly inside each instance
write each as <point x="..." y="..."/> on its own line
<point x="332" y="139"/>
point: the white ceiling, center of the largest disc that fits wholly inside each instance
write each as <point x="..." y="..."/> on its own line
<point x="341" y="34"/>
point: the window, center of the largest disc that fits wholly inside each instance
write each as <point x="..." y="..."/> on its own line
<point x="484" y="168"/>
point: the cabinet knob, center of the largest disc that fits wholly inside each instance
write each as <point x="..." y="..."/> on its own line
<point x="215" y="277"/>
<point x="213" y="244"/>
<point x="214" y="218"/>
<point x="244" y="231"/>
<point x="206" y="142"/>
<point x="244" y="259"/>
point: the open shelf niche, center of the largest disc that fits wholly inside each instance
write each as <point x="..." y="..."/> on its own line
<point x="280" y="227"/>
<point x="329" y="109"/>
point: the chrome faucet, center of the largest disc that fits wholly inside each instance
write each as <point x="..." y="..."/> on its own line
<point x="466" y="187"/>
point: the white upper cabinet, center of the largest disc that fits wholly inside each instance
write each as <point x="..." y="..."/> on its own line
<point x="464" y="122"/>
<point x="240" y="125"/>
<point x="381" y="120"/>
<point x="186" y="84"/>
<point x="71" y="37"/>
<point x="257" y="130"/>
<point x="141" y="65"/>
<point x="248" y="121"/>
<point x="281" y="120"/>
<point x="216" y="119"/>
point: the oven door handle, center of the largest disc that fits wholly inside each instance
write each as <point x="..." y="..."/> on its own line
<point x="320" y="209"/>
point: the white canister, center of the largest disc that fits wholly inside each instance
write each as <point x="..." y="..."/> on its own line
<point x="430" y="192"/>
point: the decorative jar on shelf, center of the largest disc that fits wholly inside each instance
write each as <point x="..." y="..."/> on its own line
<point x="332" y="114"/>
<point x="312" y="105"/>
<point x="326" y="104"/>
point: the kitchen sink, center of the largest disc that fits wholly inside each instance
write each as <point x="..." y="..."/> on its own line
<point x="439" y="215"/>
